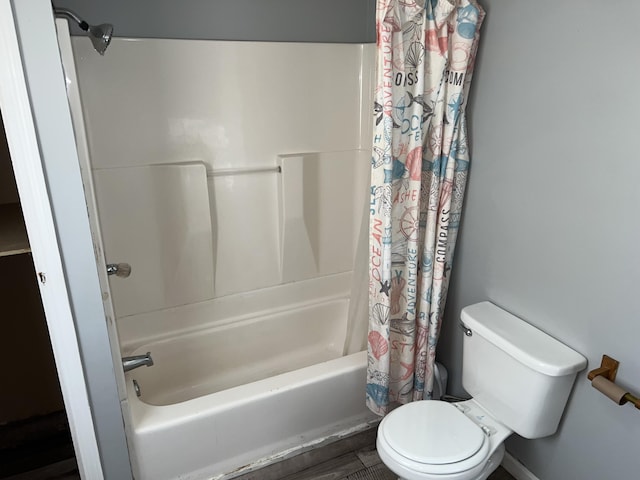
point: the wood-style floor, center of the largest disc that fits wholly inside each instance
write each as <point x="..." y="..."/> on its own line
<point x="352" y="458"/>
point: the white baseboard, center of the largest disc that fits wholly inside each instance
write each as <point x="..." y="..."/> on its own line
<point x="516" y="469"/>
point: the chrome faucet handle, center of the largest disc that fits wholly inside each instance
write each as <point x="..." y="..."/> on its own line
<point x="119" y="269"/>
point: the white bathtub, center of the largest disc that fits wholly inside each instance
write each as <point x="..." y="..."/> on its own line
<point x="231" y="395"/>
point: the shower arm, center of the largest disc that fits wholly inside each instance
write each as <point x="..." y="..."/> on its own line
<point x="65" y="12"/>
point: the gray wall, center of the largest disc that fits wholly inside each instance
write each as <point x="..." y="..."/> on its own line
<point x="343" y="21"/>
<point x="550" y="229"/>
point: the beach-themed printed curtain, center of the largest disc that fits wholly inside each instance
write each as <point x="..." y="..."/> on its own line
<point x="425" y="56"/>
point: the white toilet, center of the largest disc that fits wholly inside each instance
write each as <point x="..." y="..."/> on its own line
<point x="520" y="379"/>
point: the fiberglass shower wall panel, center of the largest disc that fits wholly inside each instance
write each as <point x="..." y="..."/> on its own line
<point x="157" y="219"/>
<point x="321" y="209"/>
<point x="245" y="213"/>
<point x="228" y="106"/>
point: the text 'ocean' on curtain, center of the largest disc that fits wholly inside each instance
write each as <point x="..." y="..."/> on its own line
<point x="425" y="56"/>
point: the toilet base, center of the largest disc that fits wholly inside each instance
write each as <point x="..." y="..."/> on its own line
<point x="493" y="463"/>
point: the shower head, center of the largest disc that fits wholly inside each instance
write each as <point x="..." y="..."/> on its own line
<point x="100" y="35"/>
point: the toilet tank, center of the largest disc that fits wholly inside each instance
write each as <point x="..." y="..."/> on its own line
<point x="519" y="374"/>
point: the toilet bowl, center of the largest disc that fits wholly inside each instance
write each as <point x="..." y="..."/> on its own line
<point x="432" y="439"/>
<point x="520" y="379"/>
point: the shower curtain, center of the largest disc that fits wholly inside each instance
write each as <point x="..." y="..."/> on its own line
<point x="425" y="56"/>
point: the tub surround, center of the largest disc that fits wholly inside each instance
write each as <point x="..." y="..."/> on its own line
<point x="231" y="177"/>
<point x="227" y="142"/>
<point x="138" y="330"/>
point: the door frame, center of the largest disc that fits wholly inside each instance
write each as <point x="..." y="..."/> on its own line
<point x="85" y="371"/>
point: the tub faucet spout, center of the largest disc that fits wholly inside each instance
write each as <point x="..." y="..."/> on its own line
<point x="129" y="363"/>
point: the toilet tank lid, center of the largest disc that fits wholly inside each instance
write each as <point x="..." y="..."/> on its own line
<point x="524" y="342"/>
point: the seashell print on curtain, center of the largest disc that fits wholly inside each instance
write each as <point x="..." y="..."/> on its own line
<point x="425" y="56"/>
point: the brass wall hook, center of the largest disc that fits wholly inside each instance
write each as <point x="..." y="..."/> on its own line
<point x="608" y="369"/>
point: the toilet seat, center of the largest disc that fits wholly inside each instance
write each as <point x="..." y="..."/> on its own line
<point x="432" y="438"/>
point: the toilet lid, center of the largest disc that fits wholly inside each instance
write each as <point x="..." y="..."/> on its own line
<point x="433" y="432"/>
